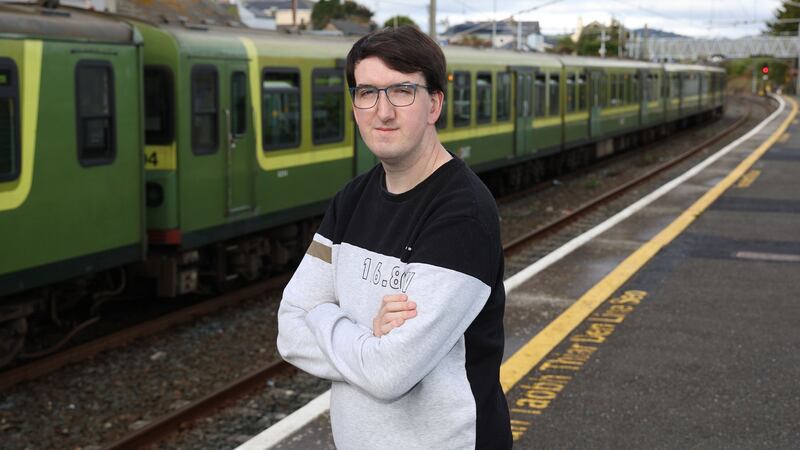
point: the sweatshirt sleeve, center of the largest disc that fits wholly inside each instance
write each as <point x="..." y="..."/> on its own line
<point x="310" y="286"/>
<point x="449" y="277"/>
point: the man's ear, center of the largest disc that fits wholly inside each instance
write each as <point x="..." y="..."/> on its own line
<point x="437" y="103"/>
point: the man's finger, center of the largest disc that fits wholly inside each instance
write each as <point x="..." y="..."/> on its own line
<point x="398" y="306"/>
<point x="394" y="298"/>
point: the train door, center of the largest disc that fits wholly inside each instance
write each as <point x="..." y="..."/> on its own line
<point x="523" y="135"/>
<point x="239" y="143"/>
<point x="642" y="85"/>
<point x="595" y="101"/>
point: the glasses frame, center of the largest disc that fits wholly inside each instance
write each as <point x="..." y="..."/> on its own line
<point x="386" y="93"/>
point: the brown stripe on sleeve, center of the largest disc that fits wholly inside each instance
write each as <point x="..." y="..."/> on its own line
<point x="320" y="251"/>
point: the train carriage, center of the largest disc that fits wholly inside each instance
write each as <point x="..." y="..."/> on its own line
<point x="71" y="183"/>
<point x="70" y="166"/>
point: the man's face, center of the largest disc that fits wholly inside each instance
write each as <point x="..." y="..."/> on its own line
<point x="391" y="132"/>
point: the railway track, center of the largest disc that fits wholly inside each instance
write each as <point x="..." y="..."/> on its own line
<point x="159" y="429"/>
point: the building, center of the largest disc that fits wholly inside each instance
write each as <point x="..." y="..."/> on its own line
<point x="275" y="14"/>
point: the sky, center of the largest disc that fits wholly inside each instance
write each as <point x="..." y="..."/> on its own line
<point x="695" y="18"/>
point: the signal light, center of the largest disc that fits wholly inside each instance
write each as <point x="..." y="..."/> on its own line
<point x="765" y="69"/>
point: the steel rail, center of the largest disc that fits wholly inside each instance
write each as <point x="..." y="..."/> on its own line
<point x="171" y="423"/>
<point x="120" y="338"/>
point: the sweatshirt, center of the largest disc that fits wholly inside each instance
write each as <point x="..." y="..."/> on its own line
<point x="433" y="382"/>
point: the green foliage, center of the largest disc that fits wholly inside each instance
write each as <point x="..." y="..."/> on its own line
<point x="589" y="42"/>
<point x="326" y="10"/>
<point x="786" y="11"/>
<point x="565" y="46"/>
<point x="399" y="21"/>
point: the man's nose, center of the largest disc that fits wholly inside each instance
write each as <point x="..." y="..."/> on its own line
<point x="385" y="108"/>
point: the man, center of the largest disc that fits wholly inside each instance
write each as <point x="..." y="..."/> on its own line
<point x="399" y="299"/>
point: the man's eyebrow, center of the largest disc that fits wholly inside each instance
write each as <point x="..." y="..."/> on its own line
<point x="393" y="84"/>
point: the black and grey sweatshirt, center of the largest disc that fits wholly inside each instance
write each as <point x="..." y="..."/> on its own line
<point x="433" y="382"/>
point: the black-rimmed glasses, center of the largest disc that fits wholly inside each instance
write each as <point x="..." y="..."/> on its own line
<point x="403" y="94"/>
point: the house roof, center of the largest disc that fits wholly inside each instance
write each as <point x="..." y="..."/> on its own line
<point x="278" y="4"/>
<point x="350" y="28"/>
<point x="486" y="28"/>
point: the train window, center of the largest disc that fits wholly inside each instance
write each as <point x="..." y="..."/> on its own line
<point x="553" y="89"/>
<point x="238" y="103"/>
<point x="503" y="96"/>
<point x="94" y="101"/>
<point x="603" y="88"/>
<point x="540" y="92"/>
<point x="205" y="101"/>
<point x="581" y="92"/>
<point x="9" y="121"/>
<point x="158" y="109"/>
<point x="280" y="115"/>
<point x="441" y="122"/>
<point x="327" y="99"/>
<point x="570" y="93"/>
<point x="616" y="89"/>
<point x="462" y="92"/>
<point x="675" y="85"/>
<point x="635" y="88"/>
<point x="483" y="91"/>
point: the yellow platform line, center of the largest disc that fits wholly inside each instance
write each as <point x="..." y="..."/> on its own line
<point x="530" y="354"/>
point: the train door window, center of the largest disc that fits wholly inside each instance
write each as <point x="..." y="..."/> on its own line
<point x="503" y="96"/>
<point x="570" y="92"/>
<point x="612" y="90"/>
<point x="94" y="100"/>
<point x="604" y="87"/>
<point x="205" y="104"/>
<point x="540" y="88"/>
<point x="9" y="121"/>
<point x="483" y="91"/>
<point x="238" y="103"/>
<point x="441" y="122"/>
<point x="280" y="115"/>
<point x="327" y="98"/>
<point x="675" y="86"/>
<point x="553" y="88"/>
<point x="462" y="91"/>
<point x="158" y="109"/>
<point x="635" y="86"/>
<point x="581" y="91"/>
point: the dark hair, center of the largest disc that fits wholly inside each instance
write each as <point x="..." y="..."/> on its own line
<point x="405" y="49"/>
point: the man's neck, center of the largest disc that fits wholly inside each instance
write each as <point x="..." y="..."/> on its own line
<point x="402" y="176"/>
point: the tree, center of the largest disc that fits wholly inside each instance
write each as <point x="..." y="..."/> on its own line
<point x="787" y="11"/>
<point x="326" y="10"/>
<point x="565" y="46"/>
<point x="589" y="42"/>
<point x="399" y="21"/>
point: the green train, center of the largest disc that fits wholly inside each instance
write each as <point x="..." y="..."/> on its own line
<point x="177" y="153"/>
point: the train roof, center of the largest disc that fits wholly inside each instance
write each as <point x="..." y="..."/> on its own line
<point x="586" y="61"/>
<point x="25" y="20"/>
<point x="691" y="68"/>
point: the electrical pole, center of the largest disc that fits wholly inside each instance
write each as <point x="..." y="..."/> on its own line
<point x="432" y="20"/>
<point x="602" y="50"/>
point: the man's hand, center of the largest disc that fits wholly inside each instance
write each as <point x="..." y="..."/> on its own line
<point x="395" y="310"/>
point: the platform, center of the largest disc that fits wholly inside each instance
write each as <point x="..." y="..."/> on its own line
<point x="672" y="326"/>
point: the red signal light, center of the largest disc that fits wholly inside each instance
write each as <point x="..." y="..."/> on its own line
<point x="765" y="70"/>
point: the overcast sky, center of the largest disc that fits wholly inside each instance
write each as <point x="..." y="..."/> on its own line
<point x="697" y="18"/>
